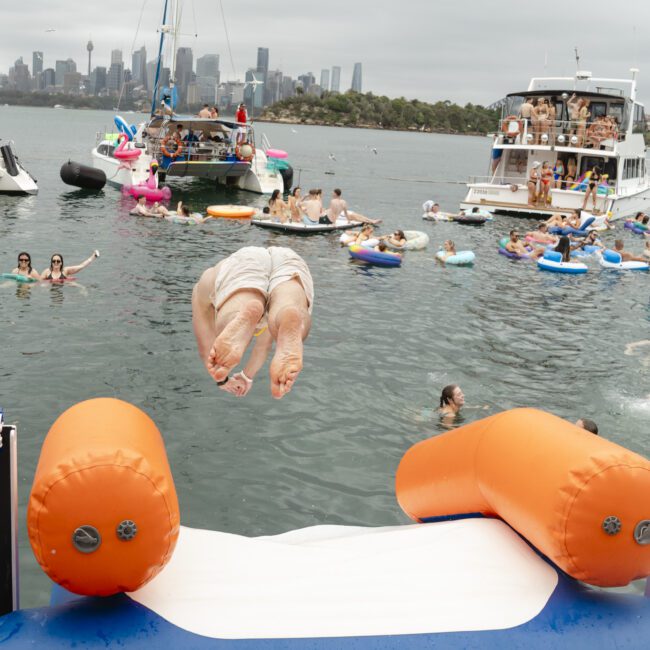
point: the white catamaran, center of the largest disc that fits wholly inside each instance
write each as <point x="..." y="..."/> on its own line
<point x="220" y="150"/>
<point x="608" y="133"/>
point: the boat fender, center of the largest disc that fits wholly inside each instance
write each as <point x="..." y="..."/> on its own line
<point x="103" y="514"/>
<point x="78" y="175"/>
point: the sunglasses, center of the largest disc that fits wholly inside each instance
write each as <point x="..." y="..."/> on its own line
<point x="57" y="261"/>
<point x="23" y="259"/>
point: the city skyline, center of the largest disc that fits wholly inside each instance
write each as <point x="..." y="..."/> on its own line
<point x="424" y="53"/>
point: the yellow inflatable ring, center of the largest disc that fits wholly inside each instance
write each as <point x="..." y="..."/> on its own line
<point x="231" y="211"/>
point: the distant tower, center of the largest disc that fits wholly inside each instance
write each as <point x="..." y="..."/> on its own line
<point x="356" y="78"/>
<point x="90" y="48"/>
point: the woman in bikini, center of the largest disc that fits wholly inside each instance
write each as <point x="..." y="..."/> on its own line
<point x="277" y="207"/>
<point x="592" y="188"/>
<point x="571" y="169"/>
<point x="533" y="177"/>
<point x="546" y="174"/>
<point x="558" y="174"/>
<point x="25" y="267"/>
<point x="543" y="115"/>
<point x="293" y="202"/>
<point x="58" y="271"/>
<point x="583" y="115"/>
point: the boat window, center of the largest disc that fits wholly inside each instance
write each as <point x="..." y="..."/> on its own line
<point x="105" y="149"/>
<point x="597" y="109"/>
<point x="616" y="111"/>
<point x="513" y="105"/>
<point x="639" y="119"/>
<point x="607" y="166"/>
<point x="633" y="168"/>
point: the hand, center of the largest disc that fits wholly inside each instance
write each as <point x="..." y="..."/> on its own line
<point x="237" y="385"/>
<point x="242" y="381"/>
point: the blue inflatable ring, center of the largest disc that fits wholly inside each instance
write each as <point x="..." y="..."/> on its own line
<point x="372" y="256"/>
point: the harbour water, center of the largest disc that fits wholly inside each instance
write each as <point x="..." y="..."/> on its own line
<point x="383" y="342"/>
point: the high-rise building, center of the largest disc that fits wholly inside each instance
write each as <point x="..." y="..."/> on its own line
<point x="207" y="66"/>
<point x="19" y="76"/>
<point x="115" y="76"/>
<point x="253" y="93"/>
<point x="97" y="80"/>
<point x="288" y="87"/>
<point x="356" y="78"/>
<point x="336" y="79"/>
<point x="49" y="78"/>
<point x="307" y="80"/>
<point x="116" y="57"/>
<point x="273" y="91"/>
<point x="184" y="71"/>
<point x="139" y="66"/>
<point x="61" y="67"/>
<point x="37" y="62"/>
<point x="90" y="47"/>
<point x="325" y="79"/>
<point x="207" y="90"/>
<point x="71" y="83"/>
<point x="262" y="59"/>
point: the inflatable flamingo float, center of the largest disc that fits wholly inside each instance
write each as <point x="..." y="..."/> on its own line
<point x="122" y="153"/>
<point x="150" y="189"/>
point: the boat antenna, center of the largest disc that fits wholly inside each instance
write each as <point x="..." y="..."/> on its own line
<point x="160" y="48"/>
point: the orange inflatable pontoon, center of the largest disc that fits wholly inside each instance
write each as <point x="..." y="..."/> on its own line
<point x="581" y="500"/>
<point x="103" y="513"/>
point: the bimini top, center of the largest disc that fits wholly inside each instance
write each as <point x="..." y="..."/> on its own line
<point x="556" y="91"/>
<point x="194" y="123"/>
<point x="584" y="83"/>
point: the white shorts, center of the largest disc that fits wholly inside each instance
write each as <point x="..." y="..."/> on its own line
<point x="262" y="269"/>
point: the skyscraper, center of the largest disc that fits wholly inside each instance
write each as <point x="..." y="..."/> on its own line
<point x="184" y="71"/>
<point x="61" y="68"/>
<point x="116" y="56"/>
<point x="208" y="66"/>
<point x="37" y="62"/>
<point x="325" y="79"/>
<point x="336" y="79"/>
<point x="356" y="78"/>
<point x="263" y="59"/>
<point x="139" y="66"/>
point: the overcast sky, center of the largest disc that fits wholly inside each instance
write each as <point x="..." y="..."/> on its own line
<point x="461" y="50"/>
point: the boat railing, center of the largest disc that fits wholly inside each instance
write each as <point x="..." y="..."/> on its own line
<point x="568" y="133"/>
<point x="198" y="151"/>
<point x="515" y="182"/>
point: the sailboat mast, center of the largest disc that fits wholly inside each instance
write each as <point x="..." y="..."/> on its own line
<point x="160" y="49"/>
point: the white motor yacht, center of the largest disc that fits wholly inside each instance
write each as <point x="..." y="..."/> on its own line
<point x="609" y="134"/>
<point x="14" y="179"/>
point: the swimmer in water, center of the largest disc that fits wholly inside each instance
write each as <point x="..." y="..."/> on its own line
<point x="25" y="267"/>
<point x="451" y="401"/>
<point x="58" y="271"/>
<point x="264" y="295"/>
<point x="587" y="425"/>
<point x="450" y="250"/>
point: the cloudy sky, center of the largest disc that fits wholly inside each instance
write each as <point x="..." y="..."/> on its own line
<point x="461" y="50"/>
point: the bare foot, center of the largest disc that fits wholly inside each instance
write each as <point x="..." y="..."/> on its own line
<point x="287" y="361"/>
<point x="229" y="347"/>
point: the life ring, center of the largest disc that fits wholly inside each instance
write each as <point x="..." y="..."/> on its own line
<point x="506" y="125"/>
<point x="461" y="258"/>
<point x="171" y="154"/>
<point x="239" y="155"/>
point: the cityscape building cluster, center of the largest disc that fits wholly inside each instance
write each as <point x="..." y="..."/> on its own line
<point x="197" y="82"/>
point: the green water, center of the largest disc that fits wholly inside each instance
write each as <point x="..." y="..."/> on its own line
<point x="382" y="345"/>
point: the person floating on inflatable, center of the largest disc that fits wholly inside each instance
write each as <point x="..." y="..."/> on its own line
<point x="256" y="294"/>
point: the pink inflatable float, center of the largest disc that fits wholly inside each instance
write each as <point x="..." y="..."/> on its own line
<point x="122" y="153"/>
<point x="150" y="189"/>
<point x="276" y="153"/>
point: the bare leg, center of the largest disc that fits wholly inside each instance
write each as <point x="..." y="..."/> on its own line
<point x="289" y="323"/>
<point x="234" y="328"/>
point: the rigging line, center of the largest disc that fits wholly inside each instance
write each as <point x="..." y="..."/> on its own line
<point x="225" y="29"/>
<point x="137" y="29"/>
<point x="196" y="31"/>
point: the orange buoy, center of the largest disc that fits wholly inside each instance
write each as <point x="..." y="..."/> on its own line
<point x="103" y="513"/>
<point x="581" y="500"/>
<point x="231" y="211"/>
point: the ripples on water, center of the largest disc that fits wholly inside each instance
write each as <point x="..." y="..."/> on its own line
<point x="383" y="342"/>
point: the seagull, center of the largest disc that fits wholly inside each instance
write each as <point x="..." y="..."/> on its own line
<point x="332" y="156"/>
<point x="293" y="130"/>
<point x="50" y="30"/>
<point x="374" y="150"/>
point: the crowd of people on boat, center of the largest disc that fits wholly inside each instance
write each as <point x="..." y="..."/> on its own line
<point x="539" y="117"/>
<point x="309" y="209"/>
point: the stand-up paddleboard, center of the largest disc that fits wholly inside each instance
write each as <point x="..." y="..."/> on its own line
<point x="303" y="228"/>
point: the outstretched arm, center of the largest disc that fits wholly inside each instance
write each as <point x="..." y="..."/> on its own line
<point x="71" y="270"/>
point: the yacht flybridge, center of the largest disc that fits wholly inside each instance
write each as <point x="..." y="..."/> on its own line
<point x="573" y="124"/>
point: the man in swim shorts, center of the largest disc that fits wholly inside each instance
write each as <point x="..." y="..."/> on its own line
<point x="256" y="294"/>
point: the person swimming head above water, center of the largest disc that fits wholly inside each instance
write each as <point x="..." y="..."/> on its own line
<point x="587" y="425"/>
<point x="564" y="247"/>
<point x="451" y="400"/>
<point x="25" y="266"/>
